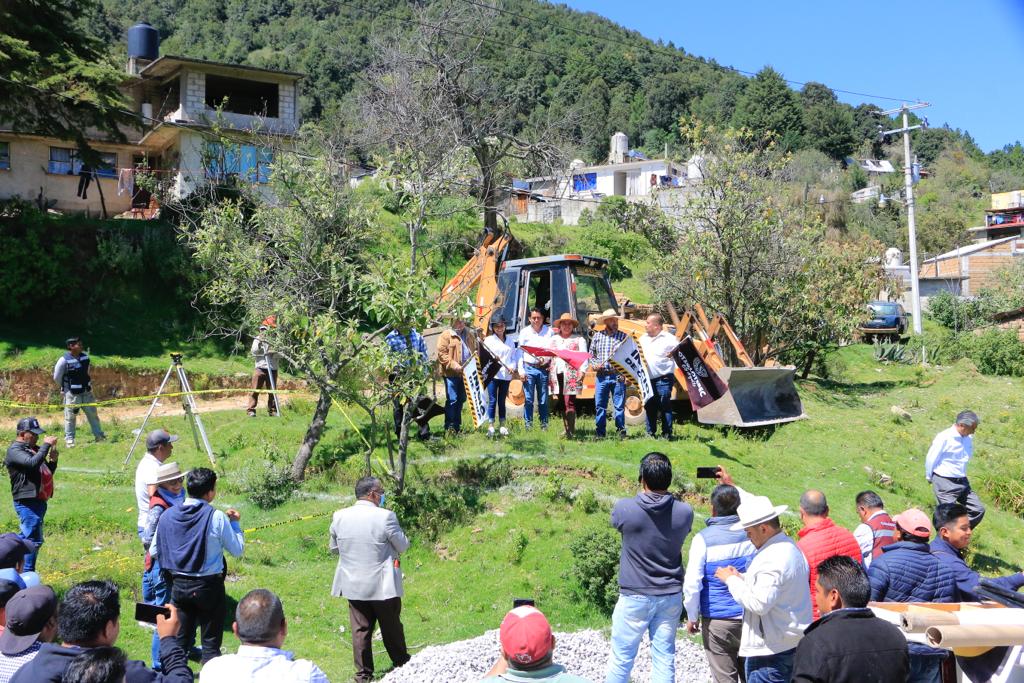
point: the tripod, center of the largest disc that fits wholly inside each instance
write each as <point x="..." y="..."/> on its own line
<point x="188" y="403"/>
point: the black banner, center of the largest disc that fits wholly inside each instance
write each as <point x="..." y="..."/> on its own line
<point x="489" y="365"/>
<point x="702" y="384"/>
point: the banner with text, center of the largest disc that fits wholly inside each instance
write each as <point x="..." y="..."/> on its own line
<point x="475" y="393"/>
<point x="630" y="362"/>
<point x="702" y="383"/>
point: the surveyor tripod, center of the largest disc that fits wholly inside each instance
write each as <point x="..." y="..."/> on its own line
<point x="188" y="404"/>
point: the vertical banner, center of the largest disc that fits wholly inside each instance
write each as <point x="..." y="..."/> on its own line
<point x="630" y="362"/>
<point x="475" y="393"/>
<point x="702" y="384"/>
<point x="489" y="365"/>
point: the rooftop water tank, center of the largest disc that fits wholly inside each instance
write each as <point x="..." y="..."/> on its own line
<point x="619" y="148"/>
<point x="143" y="42"/>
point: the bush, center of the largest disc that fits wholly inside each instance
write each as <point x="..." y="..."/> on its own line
<point x="586" y="501"/>
<point x="272" y="486"/>
<point x="956" y="313"/>
<point x="998" y="352"/>
<point x="620" y="248"/>
<point x="431" y="509"/>
<point x="595" y="567"/>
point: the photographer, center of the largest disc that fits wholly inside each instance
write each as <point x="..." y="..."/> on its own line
<point x="31" y="468"/>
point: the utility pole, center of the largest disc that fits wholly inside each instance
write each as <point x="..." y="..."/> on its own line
<point x="915" y="288"/>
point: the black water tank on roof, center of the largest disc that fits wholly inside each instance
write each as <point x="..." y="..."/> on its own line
<point x="143" y="41"/>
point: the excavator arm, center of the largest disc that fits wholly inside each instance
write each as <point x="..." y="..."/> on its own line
<point x="481" y="269"/>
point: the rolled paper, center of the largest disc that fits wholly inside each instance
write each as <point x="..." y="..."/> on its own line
<point x="921" y="620"/>
<point x="950" y="636"/>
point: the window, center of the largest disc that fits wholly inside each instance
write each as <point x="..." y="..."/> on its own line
<point x="65" y="161"/>
<point x="252" y="98"/>
<point x="5" y="156"/>
<point x="584" y="182"/>
<point x="593" y="295"/>
<point x="245" y="162"/>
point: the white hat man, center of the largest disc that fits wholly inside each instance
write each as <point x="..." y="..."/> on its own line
<point x="773" y="591"/>
<point x="609" y="382"/>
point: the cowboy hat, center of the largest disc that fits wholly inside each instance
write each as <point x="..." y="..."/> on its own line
<point x="498" y="319"/>
<point x="608" y="313"/>
<point x="516" y="393"/>
<point x="567" y="318"/>
<point x="167" y="472"/>
<point x="757" y="510"/>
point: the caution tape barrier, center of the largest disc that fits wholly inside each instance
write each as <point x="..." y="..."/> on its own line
<point x="128" y="399"/>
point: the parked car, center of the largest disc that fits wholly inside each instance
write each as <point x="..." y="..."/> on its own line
<point x="887" y="319"/>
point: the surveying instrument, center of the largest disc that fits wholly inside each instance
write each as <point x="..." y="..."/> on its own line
<point x="188" y="404"/>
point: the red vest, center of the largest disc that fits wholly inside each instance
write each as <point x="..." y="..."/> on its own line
<point x="822" y="541"/>
<point x="882" y="528"/>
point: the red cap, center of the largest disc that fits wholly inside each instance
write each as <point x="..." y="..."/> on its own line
<point x="526" y="635"/>
<point x="914" y="522"/>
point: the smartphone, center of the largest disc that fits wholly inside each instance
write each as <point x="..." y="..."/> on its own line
<point x="707" y="472"/>
<point x="519" y="602"/>
<point x="148" y="613"/>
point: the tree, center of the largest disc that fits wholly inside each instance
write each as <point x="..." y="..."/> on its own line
<point x="769" y="105"/>
<point x="303" y="259"/>
<point x="763" y="262"/>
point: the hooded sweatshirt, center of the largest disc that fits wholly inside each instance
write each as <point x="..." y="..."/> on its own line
<point x="653" y="527"/>
<point x="181" y="537"/>
<point x="52" y="659"/>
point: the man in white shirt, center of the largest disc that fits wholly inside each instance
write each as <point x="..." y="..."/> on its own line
<point x="657" y="345"/>
<point x="773" y="591"/>
<point x="535" y="370"/>
<point x="264" y="377"/>
<point x="945" y="466"/>
<point x="159" y="444"/>
<point x="261" y="627"/>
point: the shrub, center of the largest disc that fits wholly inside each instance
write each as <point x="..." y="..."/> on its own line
<point x="271" y="486"/>
<point x="488" y="472"/>
<point x="519" y="543"/>
<point x="595" y="567"/>
<point x="956" y="313"/>
<point x="998" y="352"/>
<point x="620" y="248"/>
<point x="586" y="500"/>
<point x="430" y="509"/>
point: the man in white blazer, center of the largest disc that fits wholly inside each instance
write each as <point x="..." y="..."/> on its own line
<point x="368" y="540"/>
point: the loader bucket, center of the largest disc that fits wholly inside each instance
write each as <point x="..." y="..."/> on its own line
<point x="756" y="397"/>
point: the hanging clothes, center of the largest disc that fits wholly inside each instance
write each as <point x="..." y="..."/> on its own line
<point x="125" y="181"/>
<point x="84" y="178"/>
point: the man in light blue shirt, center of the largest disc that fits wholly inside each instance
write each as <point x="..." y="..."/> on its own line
<point x="190" y="542"/>
<point x="262" y="628"/>
<point x="945" y="466"/>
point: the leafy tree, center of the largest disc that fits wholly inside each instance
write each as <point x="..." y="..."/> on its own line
<point x="764" y="263"/>
<point x="769" y="106"/>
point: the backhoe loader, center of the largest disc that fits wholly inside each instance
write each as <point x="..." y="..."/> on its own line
<point x="579" y="285"/>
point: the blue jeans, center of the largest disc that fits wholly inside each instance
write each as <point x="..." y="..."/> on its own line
<point x="455" y="390"/>
<point x="536" y="381"/>
<point x="635" y="615"/>
<point x="925" y="668"/>
<point x="497" y="391"/>
<point x="615" y="385"/>
<point x="661" y="402"/>
<point x="30" y="514"/>
<point x="777" y="668"/>
<point x="154" y="591"/>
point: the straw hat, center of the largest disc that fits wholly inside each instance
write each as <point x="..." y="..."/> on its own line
<point x="608" y="313"/>
<point x="167" y="472"/>
<point x="757" y="510"/>
<point x="567" y="318"/>
<point x="516" y="394"/>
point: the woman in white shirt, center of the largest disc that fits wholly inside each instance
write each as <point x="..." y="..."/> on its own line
<point x="497" y="388"/>
<point x="565" y="379"/>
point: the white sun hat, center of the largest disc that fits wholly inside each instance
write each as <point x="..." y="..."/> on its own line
<point x="757" y="510"/>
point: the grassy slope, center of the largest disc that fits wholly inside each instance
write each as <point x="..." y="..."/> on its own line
<point x="461" y="584"/>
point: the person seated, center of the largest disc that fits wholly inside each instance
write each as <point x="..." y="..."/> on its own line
<point x="527" y="650"/>
<point x="261" y="627"/>
<point x="953" y="527"/>
<point x="848" y="644"/>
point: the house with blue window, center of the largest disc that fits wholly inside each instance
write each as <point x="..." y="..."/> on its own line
<point x="202" y="123"/>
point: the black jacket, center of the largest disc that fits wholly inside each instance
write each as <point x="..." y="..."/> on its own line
<point x="851" y="646"/>
<point x="50" y="662"/>
<point x="23" y="465"/>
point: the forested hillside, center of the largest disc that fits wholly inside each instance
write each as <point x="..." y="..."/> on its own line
<point x="555" y="62"/>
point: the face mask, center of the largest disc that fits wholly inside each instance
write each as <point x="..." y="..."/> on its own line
<point x="383" y="497"/>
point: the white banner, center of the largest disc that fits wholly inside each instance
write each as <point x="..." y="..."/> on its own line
<point x="475" y="393"/>
<point x="630" y="362"/>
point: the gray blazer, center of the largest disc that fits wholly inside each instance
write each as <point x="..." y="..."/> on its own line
<point x="368" y="541"/>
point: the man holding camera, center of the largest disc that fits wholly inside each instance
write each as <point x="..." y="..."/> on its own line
<point x="31" y="469"/>
<point x="71" y="373"/>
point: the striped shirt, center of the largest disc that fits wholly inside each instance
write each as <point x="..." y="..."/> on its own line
<point x="602" y="347"/>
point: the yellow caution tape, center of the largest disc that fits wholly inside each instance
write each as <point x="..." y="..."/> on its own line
<point x="351" y="423"/>
<point x="287" y="521"/>
<point x="128" y="399"/>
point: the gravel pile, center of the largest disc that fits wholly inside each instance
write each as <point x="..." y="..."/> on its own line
<point x="584" y="653"/>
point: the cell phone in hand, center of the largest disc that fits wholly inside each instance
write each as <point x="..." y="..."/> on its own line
<point x="519" y="602"/>
<point x="148" y="613"/>
<point x="707" y="472"/>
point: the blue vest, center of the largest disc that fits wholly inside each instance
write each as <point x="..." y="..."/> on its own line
<point x="724" y="548"/>
<point x="76" y="374"/>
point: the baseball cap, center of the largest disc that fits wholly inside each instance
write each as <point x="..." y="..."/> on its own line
<point x="30" y="424"/>
<point x="526" y="636"/>
<point x="12" y="548"/>
<point x="158" y="437"/>
<point x="914" y="522"/>
<point x="8" y="589"/>
<point x="27" y="614"/>
<point x="72" y="340"/>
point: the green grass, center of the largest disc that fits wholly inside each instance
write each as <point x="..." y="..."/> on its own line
<point x="516" y="544"/>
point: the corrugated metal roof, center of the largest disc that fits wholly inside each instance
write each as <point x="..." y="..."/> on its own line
<point x="964" y="251"/>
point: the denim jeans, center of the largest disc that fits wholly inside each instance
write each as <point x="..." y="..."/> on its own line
<point x="615" y="385"/>
<point x="455" y="390"/>
<point x="30" y="514"/>
<point x="925" y="668"/>
<point x="71" y="415"/>
<point x="635" y="615"/>
<point x="536" y="381"/>
<point x="154" y="592"/>
<point x="497" y="391"/>
<point x="777" y="668"/>
<point x="661" y="402"/>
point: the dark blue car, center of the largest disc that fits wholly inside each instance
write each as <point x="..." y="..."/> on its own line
<point x="887" y="319"/>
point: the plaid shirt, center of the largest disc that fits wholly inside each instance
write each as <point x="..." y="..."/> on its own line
<point x="407" y="344"/>
<point x="603" y="347"/>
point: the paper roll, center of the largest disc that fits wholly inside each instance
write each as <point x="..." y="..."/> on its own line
<point x="950" y="636"/>
<point x="921" y="621"/>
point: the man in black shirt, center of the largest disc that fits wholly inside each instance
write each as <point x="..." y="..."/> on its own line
<point x="31" y="467"/>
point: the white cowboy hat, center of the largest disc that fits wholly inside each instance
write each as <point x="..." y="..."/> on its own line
<point x="757" y="510"/>
<point x="608" y="313"/>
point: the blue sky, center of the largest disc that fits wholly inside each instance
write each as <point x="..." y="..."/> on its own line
<point x="965" y="57"/>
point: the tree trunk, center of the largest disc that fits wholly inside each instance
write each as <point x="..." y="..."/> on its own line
<point x="99" y="188"/>
<point x="312" y="438"/>
<point x="403" y="445"/>
<point x="808" y="363"/>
